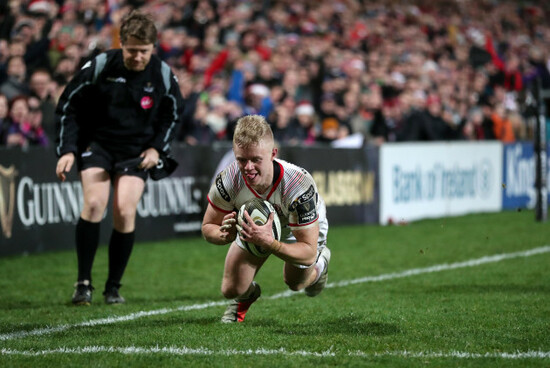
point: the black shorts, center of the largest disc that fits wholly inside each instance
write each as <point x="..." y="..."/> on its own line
<point x="97" y="156"/>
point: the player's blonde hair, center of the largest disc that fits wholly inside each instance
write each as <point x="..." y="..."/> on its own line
<point x="250" y="130"/>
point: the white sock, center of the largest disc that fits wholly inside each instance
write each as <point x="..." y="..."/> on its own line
<point x="320" y="266"/>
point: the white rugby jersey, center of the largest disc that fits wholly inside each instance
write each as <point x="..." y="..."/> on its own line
<point x="293" y="194"/>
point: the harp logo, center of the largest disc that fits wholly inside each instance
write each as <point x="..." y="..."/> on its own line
<point x="7" y="198"/>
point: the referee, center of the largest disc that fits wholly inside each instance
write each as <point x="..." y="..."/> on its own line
<point x="115" y="119"/>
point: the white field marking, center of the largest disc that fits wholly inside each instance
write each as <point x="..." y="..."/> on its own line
<point x="442" y="267"/>
<point x="431" y="269"/>
<point x="108" y="320"/>
<point x="133" y="350"/>
<point x="384" y="277"/>
<point x="179" y="351"/>
<point x="530" y="354"/>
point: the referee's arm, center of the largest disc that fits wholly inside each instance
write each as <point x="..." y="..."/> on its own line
<point x="169" y="117"/>
<point x="67" y="128"/>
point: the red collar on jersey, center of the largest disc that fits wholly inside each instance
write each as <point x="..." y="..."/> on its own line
<point x="278" y="172"/>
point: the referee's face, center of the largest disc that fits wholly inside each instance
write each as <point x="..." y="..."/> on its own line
<point x="136" y="54"/>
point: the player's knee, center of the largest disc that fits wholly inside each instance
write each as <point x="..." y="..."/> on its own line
<point x="294" y="285"/>
<point x="232" y="291"/>
<point x="229" y="292"/>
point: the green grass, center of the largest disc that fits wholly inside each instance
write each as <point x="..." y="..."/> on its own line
<point x="493" y="308"/>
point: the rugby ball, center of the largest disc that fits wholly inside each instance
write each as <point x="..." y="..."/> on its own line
<point x="259" y="211"/>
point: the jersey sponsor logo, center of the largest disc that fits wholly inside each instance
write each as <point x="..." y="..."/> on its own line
<point x="307" y="195"/>
<point x="116" y="80"/>
<point x="146" y="102"/>
<point x="149" y="88"/>
<point x="221" y="188"/>
<point x="305" y="206"/>
<point x="307" y="212"/>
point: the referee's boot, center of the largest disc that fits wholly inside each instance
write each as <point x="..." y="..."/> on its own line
<point x="83" y="293"/>
<point x="111" y="294"/>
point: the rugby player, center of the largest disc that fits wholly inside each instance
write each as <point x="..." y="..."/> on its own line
<point x="256" y="172"/>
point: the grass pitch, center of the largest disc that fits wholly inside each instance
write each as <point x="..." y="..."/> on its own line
<point x="471" y="291"/>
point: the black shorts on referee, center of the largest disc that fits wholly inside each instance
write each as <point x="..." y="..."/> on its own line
<point x="97" y="156"/>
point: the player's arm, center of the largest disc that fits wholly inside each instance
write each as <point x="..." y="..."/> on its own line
<point x="218" y="227"/>
<point x="303" y="252"/>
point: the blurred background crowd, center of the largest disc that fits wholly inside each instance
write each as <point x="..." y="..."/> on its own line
<point x="320" y="71"/>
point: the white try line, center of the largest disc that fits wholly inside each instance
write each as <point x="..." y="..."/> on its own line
<point x="384" y="277"/>
<point x="201" y="351"/>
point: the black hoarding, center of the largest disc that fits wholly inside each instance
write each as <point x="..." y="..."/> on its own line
<point x="38" y="212"/>
<point x="346" y="178"/>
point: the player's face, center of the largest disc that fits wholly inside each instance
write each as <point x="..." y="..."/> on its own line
<point x="136" y="54"/>
<point x="256" y="164"/>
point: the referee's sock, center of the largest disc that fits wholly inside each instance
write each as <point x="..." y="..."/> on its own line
<point x="87" y="240"/>
<point x="120" y="248"/>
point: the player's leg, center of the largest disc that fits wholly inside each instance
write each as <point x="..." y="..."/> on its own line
<point x="127" y="193"/>
<point x="95" y="187"/>
<point x="238" y="282"/>
<point x="321" y="273"/>
<point x="312" y="278"/>
<point x="298" y="277"/>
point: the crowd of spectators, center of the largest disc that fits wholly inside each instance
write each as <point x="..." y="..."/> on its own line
<point x="319" y="70"/>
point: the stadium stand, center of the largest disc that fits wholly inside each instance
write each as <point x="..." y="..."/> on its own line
<point x="318" y="70"/>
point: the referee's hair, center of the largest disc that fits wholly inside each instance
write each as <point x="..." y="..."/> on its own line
<point x="138" y="25"/>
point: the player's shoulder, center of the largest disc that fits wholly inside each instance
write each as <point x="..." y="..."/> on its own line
<point x="229" y="177"/>
<point x="231" y="170"/>
<point x="292" y="171"/>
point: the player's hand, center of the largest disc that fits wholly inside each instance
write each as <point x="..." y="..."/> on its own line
<point x="64" y="165"/>
<point x="229" y="227"/>
<point x="150" y="159"/>
<point x="261" y="235"/>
